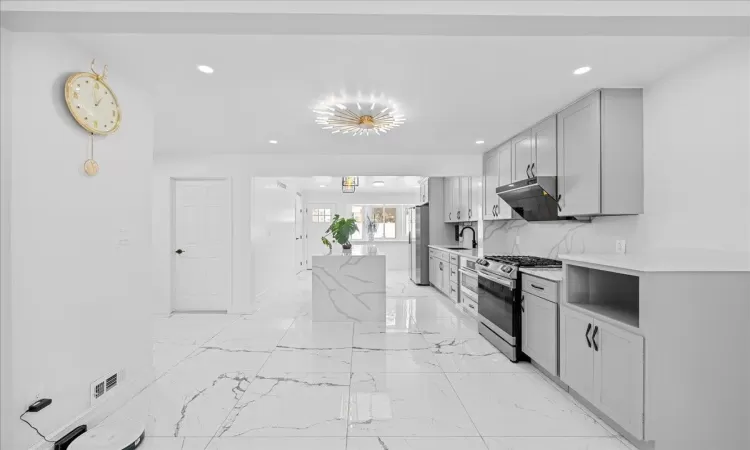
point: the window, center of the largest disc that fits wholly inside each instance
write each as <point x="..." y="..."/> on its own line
<point x="322" y="215"/>
<point x="387" y="218"/>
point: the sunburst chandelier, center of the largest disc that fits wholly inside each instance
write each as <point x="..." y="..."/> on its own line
<point x="359" y="118"/>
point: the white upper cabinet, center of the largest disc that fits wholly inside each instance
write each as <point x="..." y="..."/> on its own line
<point x="448" y="212"/>
<point x="505" y="175"/>
<point x="522" y="152"/>
<point x="475" y="199"/>
<point x="464" y="198"/>
<point x="544" y="150"/>
<point x="424" y="191"/>
<point x="600" y="154"/>
<point x="490" y="169"/>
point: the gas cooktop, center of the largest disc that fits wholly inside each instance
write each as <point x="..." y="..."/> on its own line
<point x="507" y="265"/>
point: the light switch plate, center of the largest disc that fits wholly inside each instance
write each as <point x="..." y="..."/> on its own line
<point x="620" y="246"/>
<point x="518" y="240"/>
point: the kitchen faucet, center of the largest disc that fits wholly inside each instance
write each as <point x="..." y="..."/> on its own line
<point x="474" y="235"/>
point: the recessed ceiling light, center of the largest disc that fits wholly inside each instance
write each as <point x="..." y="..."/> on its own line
<point x="273" y="142"/>
<point x="581" y="70"/>
<point x="323" y="185"/>
<point x="378" y="183"/>
<point x="206" y="69"/>
<point x="480" y="142"/>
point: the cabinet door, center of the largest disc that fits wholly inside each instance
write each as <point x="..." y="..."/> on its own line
<point x="539" y="331"/>
<point x="544" y="153"/>
<point x="579" y="157"/>
<point x="490" y="168"/>
<point x="505" y="176"/>
<point x="456" y="200"/>
<point x="421" y="192"/>
<point x="576" y="357"/>
<point x="475" y="198"/>
<point x="449" y="216"/>
<point x="426" y="185"/>
<point x="432" y="269"/>
<point x="522" y="147"/>
<point x="464" y="186"/>
<point x="618" y="376"/>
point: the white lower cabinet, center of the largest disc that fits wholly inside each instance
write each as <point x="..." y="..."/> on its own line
<point x="539" y="331"/>
<point x="576" y="354"/>
<point x="618" y="376"/>
<point x="604" y="364"/>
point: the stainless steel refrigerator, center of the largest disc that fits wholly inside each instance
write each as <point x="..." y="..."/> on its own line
<point x="418" y="218"/>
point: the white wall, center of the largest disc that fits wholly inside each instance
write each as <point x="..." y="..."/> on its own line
<point x="696" y="167"/>
<point x="81" y="284"/>
<point x="397" y="252"/>
<point x="273" y="235"/>
<point x="6" y="322"/>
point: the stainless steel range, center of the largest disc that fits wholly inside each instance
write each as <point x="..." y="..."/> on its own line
<point x="500" y="301"/>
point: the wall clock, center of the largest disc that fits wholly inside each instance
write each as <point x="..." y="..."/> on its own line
<point x="92" y="102"/>
<point x="94" y="106"/>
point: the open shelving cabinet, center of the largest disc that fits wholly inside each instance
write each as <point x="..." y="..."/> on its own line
<point x="611" y="295"/>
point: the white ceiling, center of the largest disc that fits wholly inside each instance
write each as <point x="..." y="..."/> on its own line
<point x="453" y="90"/>
<point x="397" y="184"/>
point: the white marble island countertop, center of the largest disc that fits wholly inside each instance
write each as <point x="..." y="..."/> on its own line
<point x="550" y="274"/>
<point x="348" y="288"/>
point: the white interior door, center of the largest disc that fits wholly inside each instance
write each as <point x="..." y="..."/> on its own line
<point x="318" y="218"/>
<point x="299" y="235"/>
<point x="202" y="239"/>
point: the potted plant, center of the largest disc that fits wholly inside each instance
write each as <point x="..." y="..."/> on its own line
<point x="341" y="230"/>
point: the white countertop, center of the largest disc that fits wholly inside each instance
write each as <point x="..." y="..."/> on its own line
<point x="555" y="275"/>
<point x="357" y="250"/>
<point x="470" y="253"/>
<point x="678" y="260"/>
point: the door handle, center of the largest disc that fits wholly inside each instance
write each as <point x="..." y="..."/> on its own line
<point x="527" y="171"/>
<point x="458" y="216"/>
<point x="469" y="213"/>
<point x="522" y="299"/>
<point x="588" y="330"/>
<point x="179" y="251"/>
<point x="532" y="170"/>
<point x="537" y="287"/>
<point x="449" y="216"/>
<point x="593" y="338"/>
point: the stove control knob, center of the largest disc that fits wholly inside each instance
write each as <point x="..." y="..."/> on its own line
<point x="483" y="262"/>
<point x="507" y="269"/>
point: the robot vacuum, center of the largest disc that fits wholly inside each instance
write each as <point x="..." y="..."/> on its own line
<point x="123" y="435"/>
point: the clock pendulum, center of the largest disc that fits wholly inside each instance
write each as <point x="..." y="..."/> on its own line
<point x="91" y="167"/>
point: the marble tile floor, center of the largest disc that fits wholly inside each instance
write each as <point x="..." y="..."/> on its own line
<point x="423" y="380"/>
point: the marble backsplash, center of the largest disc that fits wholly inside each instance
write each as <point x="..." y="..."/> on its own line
<point x="548" y="239"/>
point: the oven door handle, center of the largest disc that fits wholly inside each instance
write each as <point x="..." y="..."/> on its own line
<point x="468" y="273"/>
<point x="507" y="283"/>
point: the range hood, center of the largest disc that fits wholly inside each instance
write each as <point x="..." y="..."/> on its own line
<point x="534" y="199"/>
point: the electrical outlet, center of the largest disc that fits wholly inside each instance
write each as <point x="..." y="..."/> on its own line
<point x="518" y="240"/>
<point x="620" y="246"/>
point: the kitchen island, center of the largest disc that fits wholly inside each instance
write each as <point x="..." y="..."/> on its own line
<point x="348" y="288"/>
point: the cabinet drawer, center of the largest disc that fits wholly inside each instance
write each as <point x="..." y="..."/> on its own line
<point x="441" y="255"/>
<point x="540" y="287"/>
<point x="454" y="273"/>
<point x="432" y="252"/>
<point x="453" y="292"/>
<point x="454" y="258"/>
